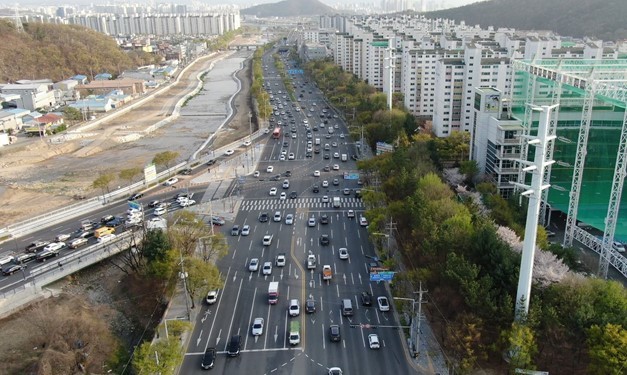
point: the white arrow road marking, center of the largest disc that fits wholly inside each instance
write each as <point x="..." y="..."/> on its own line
<point x="199" y="338"/>
<point x="276" y="333"/>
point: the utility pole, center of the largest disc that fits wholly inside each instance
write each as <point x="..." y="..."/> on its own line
<point x="418" y="319"/>
<point x="390" y="227"/>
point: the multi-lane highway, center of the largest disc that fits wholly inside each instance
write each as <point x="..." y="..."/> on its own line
<point x="245" y="294"/>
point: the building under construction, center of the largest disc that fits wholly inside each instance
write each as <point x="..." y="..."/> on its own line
<point x="590" y="150"/>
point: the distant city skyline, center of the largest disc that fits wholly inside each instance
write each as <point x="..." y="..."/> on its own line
<point x="414" y="4"/>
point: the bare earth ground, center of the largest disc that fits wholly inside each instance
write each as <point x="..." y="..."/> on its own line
<point x="37" y="176"/>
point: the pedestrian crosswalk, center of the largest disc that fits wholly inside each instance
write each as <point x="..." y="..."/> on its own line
<point x="253" y="204"/>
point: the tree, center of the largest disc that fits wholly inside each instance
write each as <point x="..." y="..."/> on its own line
<point x="213" y="247"/>
<point x="201" y="277"/>
<point x="103" y="182"/>
<point x="607" y="349"/>
<point x="165" y="158"/>
<point x="160" y="358"/>
<point x="521" y="346"/>
<point x="188" y="230"/>
<point x="160" y="258"/>
<point x="129" y="174"/>
<point x="71" y="114"/>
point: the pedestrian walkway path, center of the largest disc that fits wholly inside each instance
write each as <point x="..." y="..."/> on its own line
<point x="311" y="203"/>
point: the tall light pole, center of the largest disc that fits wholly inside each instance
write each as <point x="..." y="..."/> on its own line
<point x="534" y="192"/>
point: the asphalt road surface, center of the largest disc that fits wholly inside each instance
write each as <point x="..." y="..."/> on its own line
<point x="245" y="296"/>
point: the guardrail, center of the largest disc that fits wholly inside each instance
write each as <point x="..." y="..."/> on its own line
<point x="51" y="218"/>
<point x="13" y="299"/>
<point x="618" y="261"/>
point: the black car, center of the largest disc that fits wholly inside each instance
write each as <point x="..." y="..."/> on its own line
<point x="366" y="298"/>
<point x="334" y="333"/>
<point x="324" y="240"/>
<point x="326" y="168"/>
<point x="208" y="359"/>
<point x="357" y="193"/>
<point x="308" y="154"/>
<point x="211" y="162"/>
<point x="135" y="196"/>
<point x="287" y="174"/>
<point x="326" y="156"/>
<point x="46" y="254"/>
<point x="107" y="218"/>
<point x="36" y="246"/>
<point x="186" y="171"/>
<point x="12" y="268"/>
<point x="316" y="188"/>
<point x="310" y="306"/>
<point x="324" y="219"/>
<point x="263" y="217"/>
<point x="293" y="195"/>
<point x="276" y="178"/>
<point x="115" y="222"/>
<point x="232" y="350"/>
<point x="286" y="144"/>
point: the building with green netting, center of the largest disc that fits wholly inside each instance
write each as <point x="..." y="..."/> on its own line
<point x="590" y="124"/>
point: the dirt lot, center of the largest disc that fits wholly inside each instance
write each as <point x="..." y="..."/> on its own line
<point x="37" y="176"/>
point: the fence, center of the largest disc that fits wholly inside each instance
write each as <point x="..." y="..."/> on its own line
<point x="13" y="299"/>
<point x="54" y="217"/>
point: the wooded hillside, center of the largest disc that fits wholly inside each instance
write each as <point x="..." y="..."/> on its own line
<point x="603" y="19"/>
<point x="61" y="51"/>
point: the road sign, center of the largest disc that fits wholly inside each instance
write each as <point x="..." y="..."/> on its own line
<point x="295" y="71"/>
<point x="351" y="176"/>
<point x="382" y="276"/>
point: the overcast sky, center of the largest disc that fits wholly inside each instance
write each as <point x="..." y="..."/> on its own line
<point x="373" y="3"/>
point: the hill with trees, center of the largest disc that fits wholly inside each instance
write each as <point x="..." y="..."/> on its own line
<point x="60" y="51"/>
<point x="603" y="19"/>
<point x="289" y="8"/>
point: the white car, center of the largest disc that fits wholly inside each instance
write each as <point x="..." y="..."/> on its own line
<point x="280" y="260"/>
<point x="54" y="246"/>
<point x="373" y="341"/>
<point x="267" y="268"/>
<point x="253" y="266"/>
<point x="212" y="297"/>
<point x="291" y="156"/>
<point x="273" y="191"/>
<point x="283" y="196"/>
<point x="270" y="169"/>
<point x="343" y="252"/>
<point x="267" y="240"/>
<point x="293" y="135"/>
<point x="187" y="203"/>
<point x="350" y="213"/>
<point x="257" y="329"/>
<point x="325" y="199"/>
<point x="311" y="222"/>
<point x="282" y="157"/>
<point x="289" y="219"/>
<point x="325" y="183"/>
<point x="107" y="238"/>
<point x="316" y="173"/>
<point x="336" y="167"/>
<point x="294" y="309"/>
<point x="229" y="152"/>
<point x="171" y="181"/>
<point x="159" y="211"/>
<point x="256" y="174"/>
<point x="336" y="155"/>
<point x="62" y="237"/>
<point x="245" y="230"/>
<point x="277" y="217"/>
<point x="383" y="303"/>
<point x="363" y="222"/>
<point x="286" y="184"/>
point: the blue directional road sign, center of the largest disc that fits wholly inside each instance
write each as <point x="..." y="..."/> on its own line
<point x="351" y="176"/>
<point x="382" y="276"/>
<point x="295" y="71"/>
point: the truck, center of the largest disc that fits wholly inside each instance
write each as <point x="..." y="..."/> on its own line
<point x="311" y="262"/>
<point x="273" y="292"/>
<point x="294" y="334"/>
<point x="317" y="142"/>
<point x="336" y="202"/>
<point x="327" y="274"/>
<point x="344" y="157"/>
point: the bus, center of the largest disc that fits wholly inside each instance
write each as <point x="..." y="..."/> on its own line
<point x="276" y="134"/>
